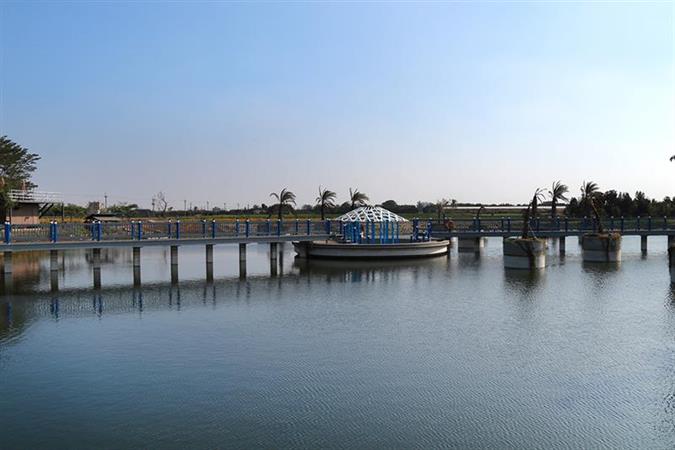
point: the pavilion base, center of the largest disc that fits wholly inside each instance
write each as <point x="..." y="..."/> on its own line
<point x="525" y="254"/>
<point x="601" y="247"/>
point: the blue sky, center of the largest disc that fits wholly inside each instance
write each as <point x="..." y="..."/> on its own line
<point x="225" y="103"/>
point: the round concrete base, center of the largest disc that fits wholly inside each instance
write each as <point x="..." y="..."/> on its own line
<point x="601" y="247"/>
<point x="525" y="254"/>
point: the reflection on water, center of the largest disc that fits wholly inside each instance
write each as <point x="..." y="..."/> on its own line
<point x="446" y="352"/>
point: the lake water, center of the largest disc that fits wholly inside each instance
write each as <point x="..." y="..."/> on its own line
<point x="448" y="352"/>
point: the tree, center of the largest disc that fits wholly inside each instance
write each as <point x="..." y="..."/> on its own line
<point x="557" y="193"/>
<point x="588" y="191"/>
<point x="326" y="199"/>
<point x="531" y="212"/>
<point x="160" y="202"/>
<point x="285" y="198"/>
<point x="17" y="164"/>
<point x="357" y="198"/>
<point x="440" y="206"/>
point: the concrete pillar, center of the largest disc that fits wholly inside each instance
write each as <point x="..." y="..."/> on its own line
<point x="671" y="240"/>
<point x="7" y="269"/>
<point x="137" y="276"/>
<point x="54" y="280"/>
<point x="242" y="260"/>
<point x="470" y="244"/>
<point x="96" y="258"/>
<point x="174" y="255"/>
<point x="209" y="262"/>
<point x="643" y="243"/>
<point x="136" y="258"/>
<point x="671" y="263"/>
<point x="273" y="258"/>
<point x="524" y="254"/>
<point x="53" y="260"/>
<point x="174" y="264"/>
<point x="561" y="245"/>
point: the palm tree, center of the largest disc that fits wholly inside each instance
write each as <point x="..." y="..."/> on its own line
<point x="357" y="198"/>
<point x="531" y="211"/>
<point x="588" y="190"/>
<point x="325" y="200"/>
<point x="285" y="198"/>
<point x="557" y="193"/>
<point x="441" y="205"/>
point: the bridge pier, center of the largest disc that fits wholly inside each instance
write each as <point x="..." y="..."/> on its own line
<point x="643" y="244"/>
<point x="561" y="245"/>
<point x="273" y="258"/>
<point x="54" y="280"/>
<point x="7" y="266"/>
<point x="96" y="259"/>
<point x="470" y="244"/>
<point x="174" y="264"/>
<point x="53" y="260"/>
<point x="209" y="262"/>
<point x="671" y="240"/>
<point x="136" y="263"/>
<point x="242" y="260"/>
<point x="671" y="263"/>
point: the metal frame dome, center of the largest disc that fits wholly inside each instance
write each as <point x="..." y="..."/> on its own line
<point x="370" y="214"/>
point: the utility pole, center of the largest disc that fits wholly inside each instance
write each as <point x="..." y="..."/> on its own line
<point x="105" y="201"/>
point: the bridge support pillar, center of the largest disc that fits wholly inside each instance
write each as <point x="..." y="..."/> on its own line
<point x="470" y="244"/>
<point x="643" y="244"/>
<point x="7" y="267"/>
<point x="671" y="263"/>
<point x="561" y="245"/>
<point x="209" y="262"/>
<point x="671" y="240"/>
<point x="242" y="260"/>
<point x="96" y="259"/>
<point x="53" y="260"/>
<point x="174" y="264"/>
<point x="54" y="280"/>
<point x="274" y="253"/>
<point x="136" y="262"/>
<point x="524" y="254"/>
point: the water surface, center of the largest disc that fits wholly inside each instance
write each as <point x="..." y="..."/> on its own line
<point x="448" y="352"/>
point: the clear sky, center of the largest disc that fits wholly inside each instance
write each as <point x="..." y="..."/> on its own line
<point x="480" y="102"/>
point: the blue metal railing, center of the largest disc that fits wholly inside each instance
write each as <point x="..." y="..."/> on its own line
<point x="150" y="230"/>
<point x="366" y="232"/>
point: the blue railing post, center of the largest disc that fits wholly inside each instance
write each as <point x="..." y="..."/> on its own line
<point x="139" y="230"/>
<point x="297" y="227"/>
<point x="203" y="228"/>
<point x="398" y="236"/>
<point x="309" y="227"/>
<point x="168" y="230"/>
<point x="56" y="231"/>
<point x="51" y="231"/>
<point x="665" y="223"/>
<point x="99" y="230"/>
<point x="8" y="232"/>
<point x="430" y="227"/>
<point x="567" y="224"/>
<point x="178" y="229"/>
<point x="236" y="227"/>
<point x="478" y="228"/>
<point x="247" y="228"/>
<point x="269" y="227"/>
<point x="638" y="222"/>
<point x="133" y="230"/>
<point x="622" y="223"/>
<point x="508" y="224"/>
<point x="611" y="223"/>
<point x="649" y="223"/>
<point x="278" y="227"/>
<point x="327" y="227"/>
<point x="502" y="224"/>
<point x="213" y="228"/>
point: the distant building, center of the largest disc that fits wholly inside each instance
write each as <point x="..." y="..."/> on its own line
<point x="28" y="205"/>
